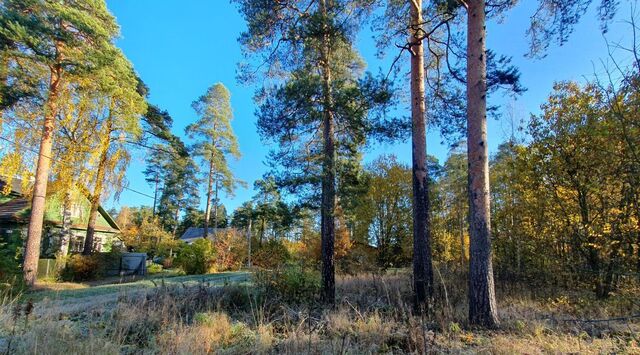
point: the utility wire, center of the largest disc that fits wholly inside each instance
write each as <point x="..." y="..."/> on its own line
<point x="50" y="158"/>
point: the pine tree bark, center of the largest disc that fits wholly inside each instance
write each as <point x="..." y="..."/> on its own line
<point x="155" y="195"/>
<point x="482" y="302"/>
<point x="34" y="233"/>
<point x="215" y="208"/>
<point x="97" y="190"/>
<point x="249" y="244"/>
<point x="327" y="210"/>
<point x="207" y="213"/>
<point x="422" y="267"/>
<point x="4" y="76"/>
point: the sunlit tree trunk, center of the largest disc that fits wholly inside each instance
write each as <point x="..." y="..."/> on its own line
<point x="422" y="268"/>
<point x="249" y="244"/>
<point x="327" y="210"/>
<point x="462" y="243"/>
<point x="207" y="213"/>
<point x="34" y="234"/>
<point x="215" y="207"/>
<point x="482" y="302"/>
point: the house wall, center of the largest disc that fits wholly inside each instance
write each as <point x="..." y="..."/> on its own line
<point x="80" y="208"/>
<point x="103" y="241"/>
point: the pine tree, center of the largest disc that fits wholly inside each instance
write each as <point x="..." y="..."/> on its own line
<point x="65" y="37"/>
<point x="319" y="114"/>
<point x="216" y="142"/>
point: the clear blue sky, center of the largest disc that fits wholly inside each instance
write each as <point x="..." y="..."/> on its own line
<point x="180" y="48"/>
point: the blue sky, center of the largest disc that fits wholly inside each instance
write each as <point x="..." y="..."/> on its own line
<point x="180" y="48"/>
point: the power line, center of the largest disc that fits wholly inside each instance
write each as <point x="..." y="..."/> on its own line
<point x="50" y="158"/>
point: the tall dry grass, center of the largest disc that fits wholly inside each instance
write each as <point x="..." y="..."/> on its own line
<point x="374" y="314"/>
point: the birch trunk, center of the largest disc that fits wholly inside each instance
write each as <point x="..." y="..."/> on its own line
<point x="97" y="191"/>
<point x="65" y="237"/>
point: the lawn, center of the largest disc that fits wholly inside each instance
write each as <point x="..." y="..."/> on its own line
<point x="53" y="299"/>
<point x="67" y="290"/>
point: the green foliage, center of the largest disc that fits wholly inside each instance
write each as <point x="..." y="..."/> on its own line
<point x="197" y="258"/>
<point x="216" y="141"/>
<point x="10" y="250"/>
<point x="270" y="255"/>
<point x="143" y="232"/>
<point x="291" y="282"/>
<point x="154" y="268"/>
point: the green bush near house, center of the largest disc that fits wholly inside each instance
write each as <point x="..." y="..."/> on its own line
<point x="10" y="270"/>
<point x="197" y="258"/>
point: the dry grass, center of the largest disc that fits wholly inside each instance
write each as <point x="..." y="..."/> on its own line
<point x="373" y="315"/>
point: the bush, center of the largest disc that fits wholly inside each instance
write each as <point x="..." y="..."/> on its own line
<point x="167" y="263"/>
<point x="292" y="282"/>
<point x="271" y="255"/>
<point x="90" y="267"/>
<point x="197" y="258"/>
<point x="154" y="268"/>
<point x="10" y="271"/>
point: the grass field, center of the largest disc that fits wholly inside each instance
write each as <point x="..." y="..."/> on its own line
<point x="227" y="313"/>
<point x="68" y="290"/>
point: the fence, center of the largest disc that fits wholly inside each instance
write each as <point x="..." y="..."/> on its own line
<point x="127" y="264"/>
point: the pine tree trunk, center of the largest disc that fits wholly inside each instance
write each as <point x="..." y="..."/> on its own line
<point x="4" y="75"/>
<point x="215" y="209"/>
<point x="155" y="195"/>
<point x="207" y="213"/>
<point x="422" y="267"/>
<point x="327" y="210"/>
<point x="34" y="234"/>
<point x="97" y="191"/>
<point x="249" y="244"/>
<point x="176" y="221"/>
<point x="482" y="302"/>
<point x="462" y="244"/>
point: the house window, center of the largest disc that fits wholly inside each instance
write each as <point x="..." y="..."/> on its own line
<point x="75" y="211"/>
<point x="76" y="244"/>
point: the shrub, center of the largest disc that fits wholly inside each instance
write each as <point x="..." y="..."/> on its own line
<point x="271" y="255"/>
<point x="167" y="263"/>
<point x="154" y="268"/>
<point x="292" y="282"/>
<point x="231" y="250"/>
<point x="197" y="258"/>
<point x="90" y="267"/>
<point x="10" y="255"/>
